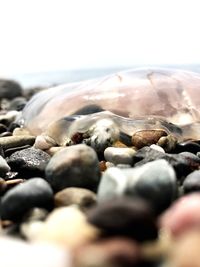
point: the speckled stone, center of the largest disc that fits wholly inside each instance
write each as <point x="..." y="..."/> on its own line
<point x="4" y="167"/>
<point x="122" y="216"/>
<point x="29" y="162"/>
<point x="119" y="155"/>
<point x="19" y="200"/>
<point x="82" y="197"/>
<point x="192" y="182"/>
<point x="74" y="166"/>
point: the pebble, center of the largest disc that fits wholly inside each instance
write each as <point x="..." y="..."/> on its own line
<point x="147" y="137"/>
<point x="29" y="162"/>
<point x="3" y="128"/>
<point x="81" y="197"/>
<point x="119" y="155"/>
<point x="168" y="143"/>
<point x="65" y="226"/>
<point x="19" y="200"/>
<point x="157" y="148"/>
<point x="183" y="164"/>
<point x="128" y="217"/>
<point x="182" y="215"/>
<point x="192" y="182"/>
<point x="9" y="117"/>
<point x="10" y="89"/>
<point x="154" y="181"/>
<point x="16" y="141"/>
<point x="188" y="146"/>
<point x="112" y="252"/>
<point x="4" y="167"/>
<point x="74" y="166"/>
<point x="18" y="103"/>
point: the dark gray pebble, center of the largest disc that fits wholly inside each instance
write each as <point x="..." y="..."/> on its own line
<point x="29" y="162"/>
<point x="10" y="89"/>
<point x="22" y="198"/>
<point x="187" y="146"/>
<point x="192" y="182"/>
<point x="74" y="166"/>
<point x="124" y="217"/>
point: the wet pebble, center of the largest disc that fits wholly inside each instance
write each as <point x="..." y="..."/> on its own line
<point x="192" y="182"/>
<point x="154" y="181"/>
<point x="119" y="155"/>
<point x="19" y="200"/>
<point x="4" y="167"/>
<point x="74" y="166"/>
<point x="82" y="197"/>
<point x="29" y="162"/>
<point x="123" y="216"/>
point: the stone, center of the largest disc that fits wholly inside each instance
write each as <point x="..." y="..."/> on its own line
<point x="158" y="148"/>
<point x="16" y="141"/>
<point x="29" y="162"/>
<point x="119" y="155"/>
<point x="187" y="146"/>
<point x="74" y="166"/>
<point x="4" y="167"/>
<point x="192" y="182"/>
<point x="147" y="137"/>
<point x="22" y="198"/>
<point x="111" y="252"/>
<point x="182" y="164"/>
<point x="9" y="117"/>
<point x="10" y="89"/>
<point x="168" y="143"/>
<point x="84" y="198"/>
<point x="154" y="181"/>
<point x="123" y="216"/>
<point x="65" y="226"/>
<point x="182" y="215"/>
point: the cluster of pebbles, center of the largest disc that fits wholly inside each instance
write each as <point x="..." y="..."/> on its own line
<point x="134" y="203"/>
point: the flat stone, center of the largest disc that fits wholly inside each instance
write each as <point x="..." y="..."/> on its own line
<point x="15" y="141"/>
<point x="74" y="166"/>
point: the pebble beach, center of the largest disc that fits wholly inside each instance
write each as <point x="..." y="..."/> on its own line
<point x="124" y="203"/>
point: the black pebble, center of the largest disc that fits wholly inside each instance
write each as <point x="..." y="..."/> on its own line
<point x="130" y="217"/>
<point x="19" y="200"/>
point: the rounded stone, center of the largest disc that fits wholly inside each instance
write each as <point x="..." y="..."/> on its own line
<point x="29" y="162"/>
<point x="123" y="216"/>
<point x="9" y="89"/>
<point x="16" y="141"/>
<point x="118" y="155"/>
<point x="192" y="182"/>
<point x="147" y="137"/>
<point x="22" y="198"/>
<point x="82" y="197"/>
<point x="74" y="166"/>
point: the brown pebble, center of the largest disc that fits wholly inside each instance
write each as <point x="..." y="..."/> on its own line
<point x="16" y="141"/>
<point x="147" y="137"/>
<point x="82" y="197"/>
<point x="119" y="144"/>
<point x="168" y="143"/>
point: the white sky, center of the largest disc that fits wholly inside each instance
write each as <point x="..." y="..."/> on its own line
<point x="39" y="35"/>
